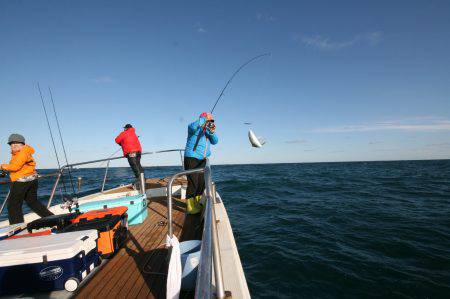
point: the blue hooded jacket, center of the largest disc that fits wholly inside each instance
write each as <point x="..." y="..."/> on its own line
<point x="203" y="148"/>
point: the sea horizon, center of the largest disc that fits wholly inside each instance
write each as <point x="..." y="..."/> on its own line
<point x="269" y="163"/>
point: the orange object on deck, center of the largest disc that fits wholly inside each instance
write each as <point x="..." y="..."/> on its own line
<point x="111" y="224"/>
<point x="100" y="213"/>
<point x="37" y="234"/>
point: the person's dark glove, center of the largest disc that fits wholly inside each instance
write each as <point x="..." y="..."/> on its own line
<point x="211" y="127"/>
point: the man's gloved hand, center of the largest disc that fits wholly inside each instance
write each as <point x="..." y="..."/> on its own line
<point x="211" y="127"/>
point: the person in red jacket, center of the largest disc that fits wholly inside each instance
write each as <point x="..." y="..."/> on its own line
<point x="131" y="148"/>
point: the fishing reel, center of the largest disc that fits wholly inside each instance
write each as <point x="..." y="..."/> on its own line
<point x="210" y="125"/>
<point x="69" y="201"/>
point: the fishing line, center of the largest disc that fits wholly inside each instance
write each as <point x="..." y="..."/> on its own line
<point x="110" y="156"/>
<point x="62" y="141"/>
<point x="234" y="74"/>
<point x="51" y="136"/>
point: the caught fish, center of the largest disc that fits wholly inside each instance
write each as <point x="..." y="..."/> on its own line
<point x="255" y="141"/>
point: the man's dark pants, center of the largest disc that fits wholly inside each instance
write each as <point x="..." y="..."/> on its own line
<point x="27" y="191"/>
<point x="134" y="159"/>
<point x="196" y="181"/>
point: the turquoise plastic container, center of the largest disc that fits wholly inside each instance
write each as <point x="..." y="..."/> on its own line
<point x="137" y="207"/>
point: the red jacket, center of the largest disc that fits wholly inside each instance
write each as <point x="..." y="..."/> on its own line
<point x="129" y="141"/>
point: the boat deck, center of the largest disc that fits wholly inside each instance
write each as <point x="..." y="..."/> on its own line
<point x="138" y="269"/>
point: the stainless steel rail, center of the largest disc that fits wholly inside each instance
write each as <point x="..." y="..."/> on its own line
<point x="145" y="153"/>
<point x="4" y="202"/>
<point x="204" y="287"/>
<point x="210" y="253"/>
<point x="61" y="170"/>
<point x="169" y="195"/>
<point x="104" y="178"/>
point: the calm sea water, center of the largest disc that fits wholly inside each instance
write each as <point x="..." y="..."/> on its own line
<point x="327" y="230"/>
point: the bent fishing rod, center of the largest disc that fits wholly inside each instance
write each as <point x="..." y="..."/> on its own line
<point x="226" y="86"/>
<point x="234" y="74"/>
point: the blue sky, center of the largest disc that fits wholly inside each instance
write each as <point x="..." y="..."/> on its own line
<point x="347" y="80"/>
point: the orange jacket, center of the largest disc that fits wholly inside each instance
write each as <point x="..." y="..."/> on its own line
<point x="22" y="164"/>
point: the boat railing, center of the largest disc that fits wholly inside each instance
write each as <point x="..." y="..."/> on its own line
<point x="210" y="261"/>
<point x="61" y="171"/>
<point x="108" y="160"/>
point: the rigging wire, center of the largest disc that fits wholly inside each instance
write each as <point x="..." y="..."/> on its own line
<point x="62" y="141"/>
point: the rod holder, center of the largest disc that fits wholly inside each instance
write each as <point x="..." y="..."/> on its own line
<point x="79" y="184"/>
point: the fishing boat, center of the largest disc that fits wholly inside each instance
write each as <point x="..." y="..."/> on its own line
<point x="146" y="264"/>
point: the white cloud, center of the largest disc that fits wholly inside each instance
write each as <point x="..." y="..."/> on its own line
<point x="326" y="44"/>
<point x="199" y="28"/>
<point x="103" y="79"/>
<point x="373" y="38"/>
<point x="265" y="17"/>
<point x="423" y="125"/>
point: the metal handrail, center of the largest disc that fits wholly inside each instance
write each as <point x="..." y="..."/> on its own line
<point x="40" y="176"/>
<point x="104" y="178"/>
<point x="61" y="170"/>
<point x="210" y="254"/>
<point x="145" y="153"/>
<point x="4" y="202"/>
<point x="204" y="286"/>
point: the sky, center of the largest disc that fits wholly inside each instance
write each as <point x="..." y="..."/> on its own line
<point x="346" y="80"/>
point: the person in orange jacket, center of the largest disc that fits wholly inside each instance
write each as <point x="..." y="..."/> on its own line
<point x="24" y="182"/>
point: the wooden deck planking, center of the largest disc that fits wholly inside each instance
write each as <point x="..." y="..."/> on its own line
<point x="88" y="291"/>
<point x="120" y="271"/>
<point x="136" y="245"/>
<point x="111" y="273"/>
<point x="141" y="257"/>
<point x="127" y="273"/>
<point x="190" y="222"/>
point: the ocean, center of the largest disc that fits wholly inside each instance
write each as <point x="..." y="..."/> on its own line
<point x="329" y="230"/>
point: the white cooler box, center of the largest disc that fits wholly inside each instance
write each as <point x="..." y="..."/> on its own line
<point x="46" y="263"/>
<point x="11" y="230"/>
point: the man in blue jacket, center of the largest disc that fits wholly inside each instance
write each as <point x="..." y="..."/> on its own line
<point x="201" y="134"/>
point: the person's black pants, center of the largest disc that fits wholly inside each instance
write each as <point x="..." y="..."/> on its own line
<point x="135" y="164"/>
<point x="196" y="181"/>
<point x="27" y="191"/>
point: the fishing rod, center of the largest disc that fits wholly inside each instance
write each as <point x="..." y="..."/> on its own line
<point x="51" y="135"/>
<point x="225" y="87"/>
<point x="110" y="156"/>
<point x="62" y="141"/>
<point x="234" y="74"/>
